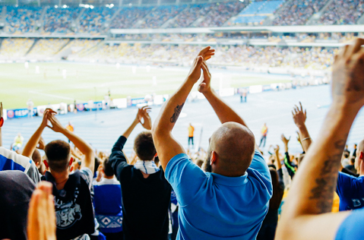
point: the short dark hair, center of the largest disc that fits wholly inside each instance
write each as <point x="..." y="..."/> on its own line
<point x="108" y="170"/>
<point x="144" y="146"/>
<point x="346" y="154"/>
<point x="58" y="155"/>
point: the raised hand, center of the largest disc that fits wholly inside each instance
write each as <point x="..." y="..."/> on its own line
<point x="299" y="115"/>
<point x="206" y="53"/>
<point x="144" y="118"/>
<point x="204" y="86"/>
<point x="41" y="215"/>
<point x="276" y="149"/>
<point x="285" y="140"/>
<point x="56" y="125"/>
<point x="41" y="144"/>
<point x="46" y="115"/>
<point x="348" y="77"/>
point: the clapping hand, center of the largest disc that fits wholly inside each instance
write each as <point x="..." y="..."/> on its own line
<point x="204" y="55"/>
<point x="46" y="114"/>
<point x="204" y="86"/>
<point x="285" y="140"/>
<point x="144" y="118"/>
<point x="41" y="215"/>
<point x="56" y="125"/>
<point x="41" y="144"/>
<point x="299" y="116"/>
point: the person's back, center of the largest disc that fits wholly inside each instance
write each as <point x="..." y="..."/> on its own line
<point x="144" y="189"/>
<point x="351" y="191"/>
<point x="15" y="192"/>
<point x="107" y="204"/>
<point x="237" y="205"/>
<point x="72" y="191"/>
<point x="231" y="201"/>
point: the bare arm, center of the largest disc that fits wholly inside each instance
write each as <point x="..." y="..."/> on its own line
<point x="84" y="147"/>
<point x="223" y="111"/>
<point x="299" y="117"/>
<point x="167" y="147"/>
<point x="307" y="208"/>
<point x="35" y="138"/>
<point x="276" y="158"/>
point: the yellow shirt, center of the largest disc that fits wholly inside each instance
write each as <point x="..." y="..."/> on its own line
<point x="191" y="130"/>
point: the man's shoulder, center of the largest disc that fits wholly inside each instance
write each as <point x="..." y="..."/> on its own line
<point x="14" y="161"/>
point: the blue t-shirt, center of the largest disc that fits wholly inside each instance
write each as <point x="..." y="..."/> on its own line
<point x="213" y="206"/>
<point x="351" y="227"/>
<point x="351" y="192"/>
<point x="107" y="203"/>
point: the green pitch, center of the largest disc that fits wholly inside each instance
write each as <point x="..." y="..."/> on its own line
<point x="84" y="82"/>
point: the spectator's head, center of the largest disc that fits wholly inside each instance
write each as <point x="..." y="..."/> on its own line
<point x="58" y="155"/>
<point x="346" y="155"/>
<point x="359" y="161"/>
<point x="144" y="146"/>
<point x="107" y="168"/>
<point x="231" y="149"/>
<point x="37" y="158"/>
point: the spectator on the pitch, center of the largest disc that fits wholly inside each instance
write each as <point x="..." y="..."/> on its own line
<point x="18" y="143"/>
<point x="268" y="229"/>
<point x="235" y="195"/>
<point x="355" y="149"/>
<point x="145" y="191"/>
<point x="264" y="132"/>
<point x="191" y="133"/>
<point x="107" y="203"/>
<point x="72" y="192"/>
<point x="307" y="209"/>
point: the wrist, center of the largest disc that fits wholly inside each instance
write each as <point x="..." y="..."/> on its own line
<point x="208" y="92"/>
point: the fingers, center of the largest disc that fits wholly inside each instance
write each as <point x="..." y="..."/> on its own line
<point x="357" y="46"/>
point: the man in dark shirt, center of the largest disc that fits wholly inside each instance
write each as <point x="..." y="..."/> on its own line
<point x="72" y="191"/>
<point x="146" y="193"/>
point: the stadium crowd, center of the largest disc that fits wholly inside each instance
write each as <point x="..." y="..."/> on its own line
<point x="166" y="192"/>
<point x="98" y="20"/>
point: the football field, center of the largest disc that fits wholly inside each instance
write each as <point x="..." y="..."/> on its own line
<point x="52" y="83"/>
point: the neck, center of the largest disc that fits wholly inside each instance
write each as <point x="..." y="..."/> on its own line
<point x="61" y="178"/>
<point x="107" y="177"/>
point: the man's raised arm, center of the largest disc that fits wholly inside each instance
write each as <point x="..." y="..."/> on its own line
<point x="306" y="213"/>
<point x="223" y="111"/>
<point x="34" y="139"/>
<point x="167" y="147"/>
<point x="84" y="147"/>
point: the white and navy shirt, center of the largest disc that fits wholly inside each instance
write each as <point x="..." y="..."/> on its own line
<point x="107" y="203"/>
<point x="10" y="160"/>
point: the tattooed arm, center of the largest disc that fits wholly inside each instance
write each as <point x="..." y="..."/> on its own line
<point x="308" y="205"/>
<point x="167" y="147"/>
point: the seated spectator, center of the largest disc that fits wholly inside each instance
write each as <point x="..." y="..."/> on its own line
<point x="235" y="195"/>
<point x="107" y="203"/>
<point x="307" y="209"/>
<point x="72" y="191"/>
<point x="145" y="191"/>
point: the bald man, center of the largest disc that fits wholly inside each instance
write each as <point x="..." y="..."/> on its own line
<point x="351" y="189"/>
<point x="231" y="201"/>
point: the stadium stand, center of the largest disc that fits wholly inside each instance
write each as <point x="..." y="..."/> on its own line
<point x="128" y="16"/>
<point x="342" y="12"/>
<point x="94" y="20"/>
<point x="15" y="49"/>
<point x="46" y="49"/>
<point x="298" y="12"/>
<point x="60" y="20"/>
<point x="159" y="16"/>
<point x="255" y="13"/>
<point x="22" y="19"/>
